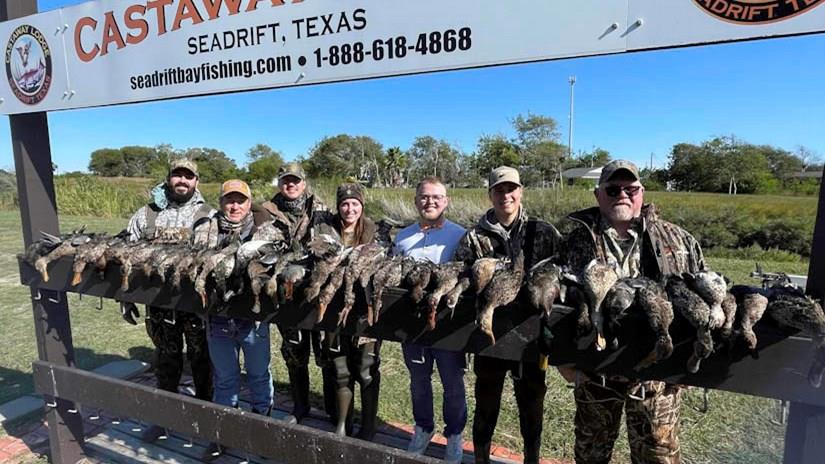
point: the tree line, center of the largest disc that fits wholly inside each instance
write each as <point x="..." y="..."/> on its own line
<point x="722" y="164"/>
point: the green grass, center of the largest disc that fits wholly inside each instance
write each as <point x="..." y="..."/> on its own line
<point x="736" y="429"/>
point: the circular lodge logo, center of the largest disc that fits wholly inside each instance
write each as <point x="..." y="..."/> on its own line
<point x="28" y="64"/>
<point x="756" y="11"/>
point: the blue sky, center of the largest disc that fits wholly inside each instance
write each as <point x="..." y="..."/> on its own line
<point x="633" y="105"/>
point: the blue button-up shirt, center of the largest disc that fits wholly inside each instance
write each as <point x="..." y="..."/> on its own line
<point x="435" y="244"/>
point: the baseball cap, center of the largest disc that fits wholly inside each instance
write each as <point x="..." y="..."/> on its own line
<point x="503" y="174"/>
<point x="184" y="163"/>
<point x="613" y="167"/>
<point x="292" y="169"/>
<point x="235" y="185"/>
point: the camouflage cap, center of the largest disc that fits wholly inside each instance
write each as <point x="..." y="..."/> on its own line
<point x="292" y="169"/>
<point x="235" y="185"/>
<point x="503" y="174"/>
<point x="613" y="167"/>
<point x="347" y="191"/>
<point x="184" y="163"/>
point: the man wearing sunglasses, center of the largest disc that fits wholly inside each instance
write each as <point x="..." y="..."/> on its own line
<point x="622" y="230"/>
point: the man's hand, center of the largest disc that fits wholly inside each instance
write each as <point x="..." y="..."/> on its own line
<point x="129" y="311"/>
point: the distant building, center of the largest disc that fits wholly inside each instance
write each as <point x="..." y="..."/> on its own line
<point x="572" y="175"/>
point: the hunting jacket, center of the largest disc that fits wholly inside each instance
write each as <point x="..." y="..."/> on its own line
<point x="166" y="219"/>
<point x="666" y="248"/>
<point x="489" y="239"/>
<point x="209" y="234"/>
<point x="295" y="232"/>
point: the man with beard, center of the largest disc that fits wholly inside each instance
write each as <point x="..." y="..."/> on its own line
<point x="292" y="212"/>
<point x="622" y="230"/>
<point x="506" y="232"/>
<point x="177" y="206"/>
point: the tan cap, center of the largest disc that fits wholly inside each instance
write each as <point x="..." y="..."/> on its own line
<point x="184" y="163"/>
<point x="235" y="185"/>
<point x="503" y="174"/>
<point x="614" y="167"/>
<point x="292" y="169"/>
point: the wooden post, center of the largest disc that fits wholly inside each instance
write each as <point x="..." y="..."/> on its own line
<point x="805" y="436"/>
<point x="38" y="212"/>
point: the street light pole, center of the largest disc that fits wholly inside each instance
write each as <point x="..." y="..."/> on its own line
<point x="572" y="81"/>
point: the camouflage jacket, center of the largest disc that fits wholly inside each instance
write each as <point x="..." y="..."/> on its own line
<point x="168" y="220"/>
<point x="295" y="232"/>
<point x="490" y="239"/>
<point x="209" y="234"/>
<point x="665" y="248"/>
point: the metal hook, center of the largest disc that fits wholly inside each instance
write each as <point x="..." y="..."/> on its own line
<point x="604" y="380"/>
<point x="419" y="361"/>
<point x="52" y="404"/>
<point x="188" y="444"/>
<point x="55" y="300"/>
<point x="782" y="413"/>
<point x="296" y="342"/>
<point x="705" y="401"/>
<point x="174" y="317"/>
<point x="72" y="411"/>
<point x="116" y="421"/>
<point x="38" y="297"/>
<point x="138" y="427"/>
<point x="94" y="416"/>
<point x="100" y="304"/>
<point x="640" y="397"/>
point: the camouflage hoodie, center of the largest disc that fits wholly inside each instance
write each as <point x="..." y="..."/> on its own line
<point x="294" y="229"/>
<point x="666" y="248"/>
<point x="490" y="239"/>
<point x="166" y="218"/>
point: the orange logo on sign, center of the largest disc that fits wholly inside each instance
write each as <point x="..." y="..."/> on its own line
<point x="756" y="11"/>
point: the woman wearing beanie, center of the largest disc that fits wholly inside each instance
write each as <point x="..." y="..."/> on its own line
<point x="351" y="359"/>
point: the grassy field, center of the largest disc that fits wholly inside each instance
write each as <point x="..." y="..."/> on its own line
<point x="736" y="429"/>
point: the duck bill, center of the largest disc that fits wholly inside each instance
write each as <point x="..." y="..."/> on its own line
<point x="370" y="315"/>
<point x="77" y="277"/>
<point x="322" y="309"/>
<point x="601" y="343"/>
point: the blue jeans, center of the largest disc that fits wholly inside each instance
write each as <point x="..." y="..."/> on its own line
<point x="419" y="361"/>
<point x="226" y="338"/>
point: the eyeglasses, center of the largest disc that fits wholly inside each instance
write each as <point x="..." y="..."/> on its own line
<point x="427" y="198"/>
<point x="629" y="190"/>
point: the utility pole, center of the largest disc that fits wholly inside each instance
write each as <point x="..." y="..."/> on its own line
<point x="572" y="81"/>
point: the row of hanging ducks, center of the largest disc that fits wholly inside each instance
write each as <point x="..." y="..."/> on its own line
<point x="601" y="298"/>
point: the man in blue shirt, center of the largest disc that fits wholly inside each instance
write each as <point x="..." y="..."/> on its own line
<point x="435" y="239"/>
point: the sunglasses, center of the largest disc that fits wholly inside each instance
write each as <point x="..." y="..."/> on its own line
<point x="613" y="190"/>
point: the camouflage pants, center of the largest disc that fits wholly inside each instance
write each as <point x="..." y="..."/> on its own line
<point x="168" y="330"/>
<point x="652" y="423"/>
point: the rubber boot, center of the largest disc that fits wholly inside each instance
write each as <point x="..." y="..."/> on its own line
<point x="481" y="453"/>
<point x="299" y="388"/>
<point x="330" y="393"/>
<point x="369" y="408"/>
<point x="344" y="398"/>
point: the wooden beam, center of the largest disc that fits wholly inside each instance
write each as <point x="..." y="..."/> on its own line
<point x="38" y="212"/>
<point x="232" y="427"/>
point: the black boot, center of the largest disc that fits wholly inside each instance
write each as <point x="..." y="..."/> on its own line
<point x="213" y="451"/>
<point x="299" y="387"/>
<point x="369" y="408"/>
<point x="330" y="390"/>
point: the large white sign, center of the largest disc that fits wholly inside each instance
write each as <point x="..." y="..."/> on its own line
<point x="109" y="52"/>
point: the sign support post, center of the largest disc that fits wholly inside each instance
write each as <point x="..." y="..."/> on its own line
<point x="805" y="435"/>
<point x="38" y="212"/>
